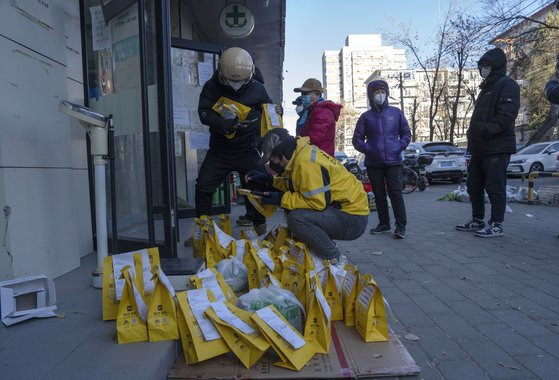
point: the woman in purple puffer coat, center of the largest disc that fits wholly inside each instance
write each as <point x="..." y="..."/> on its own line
<point x="382" y="133"/>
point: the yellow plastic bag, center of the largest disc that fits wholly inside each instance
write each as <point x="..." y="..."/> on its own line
<point x="293" y="279"/>
<point x="333" y="296"/>
<point x="254" y="269"/>
<point x="282" y="234"/>
<point x="110" y="303"/>
<point x="270" y="118"/>
<point x="224" y="223"/>
<point x="239" y="109"/>
<point x="212" y="253"/>
<point x="197" y="238"/>
<point x="132" y="313"/>
<point x="370" y="316"/>
<point x="266" y="210"/>
<point x="294" y="350"/>
<point x="349" y="293"/>
<point x="200" y="339"/>
<point x="162" y="311"/>
<point x="214" y="282"/>
<point x="318" y="327"/>
<point x="239" y="332"/>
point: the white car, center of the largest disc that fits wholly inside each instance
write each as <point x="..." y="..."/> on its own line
<point x="535" y="158"/>
<point x="449" y="162"/>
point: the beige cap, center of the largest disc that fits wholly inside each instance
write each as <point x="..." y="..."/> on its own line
<point x="310" y="84"/>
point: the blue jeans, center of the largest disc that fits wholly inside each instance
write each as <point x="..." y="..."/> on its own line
<point x="317" y="229"/>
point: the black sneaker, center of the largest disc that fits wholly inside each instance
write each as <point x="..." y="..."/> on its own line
<point x="493" y="229"/>
<point x="381" y="229"/>
<point x="399" y="232"/>
<point x="472" y="225"/>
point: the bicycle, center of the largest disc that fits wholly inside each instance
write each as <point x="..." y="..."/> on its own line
<point x="415" y="165"/>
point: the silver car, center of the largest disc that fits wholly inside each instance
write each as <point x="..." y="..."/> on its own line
<point x="449" y="162"/>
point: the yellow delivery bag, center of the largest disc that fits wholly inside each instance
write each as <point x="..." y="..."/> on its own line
<point x="333" y="295"/>
<point x="349" y="293"/>
<point x="212" y="280"/>
<point x="239" y="332"/>
<point x="270" y="118"/>
<point x="162" y="311"/>
<point x="224" y="105"/>
<point x="370" y="316"/>
<point x="318" y="327"/>
<point x="132" y="312"/>
<point x="199" y="337"/>
<point x="294" y="350"/>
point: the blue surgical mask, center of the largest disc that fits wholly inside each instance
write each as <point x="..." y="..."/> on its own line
<point x="306" y="100"/>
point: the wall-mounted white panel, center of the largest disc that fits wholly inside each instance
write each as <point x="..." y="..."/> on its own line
<point x="33" y="133"/>
<point x="82" y="211"/>
<point x="38" y="28"/>
<point x="77" y="132"/>
<point x="43" y="227"/>
<point x="72" y="38"/>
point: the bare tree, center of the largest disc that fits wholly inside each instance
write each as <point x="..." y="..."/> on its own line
<point x="346" y="123"/>
<point x="465" y="35"/>
<point x="414" y="119"/>
<point x="431" y="64"/>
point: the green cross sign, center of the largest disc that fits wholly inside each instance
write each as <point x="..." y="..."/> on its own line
<point x="236" y="15"/>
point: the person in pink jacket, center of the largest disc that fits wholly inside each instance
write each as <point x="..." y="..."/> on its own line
<point x="320" y="115"/>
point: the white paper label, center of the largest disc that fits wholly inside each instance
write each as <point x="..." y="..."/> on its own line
<point x="264" y="255"/>
<point x="205" y="273"/>
<point x="166" y="282"/>
<point x="255" y="244"/>
<point x="339" y="275"/>
<point x="274" y="281"/>
<point x="149" y="284"/>
<point x="323" y="303"/>
<point x="241" y="246"/>
<point x="199" y="302"/>
<point x="279" y="326"/>
<point x="349" y="281"/>
<point x="366" y="295"/>
<point x="119" y="262"/>
<point x="273" y="115"/>
<point x="140" y="304"/>
<point x="223" y="238"/>
<point x="250" y="234"/>
<point x="212" y="284"/>
<point x="227" y="316"/>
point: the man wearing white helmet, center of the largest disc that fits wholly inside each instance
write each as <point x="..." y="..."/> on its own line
<point x="233" y="80"/>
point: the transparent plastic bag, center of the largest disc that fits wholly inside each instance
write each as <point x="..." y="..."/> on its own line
<point x="283" y="300"/>
<point x="234" y="273"/>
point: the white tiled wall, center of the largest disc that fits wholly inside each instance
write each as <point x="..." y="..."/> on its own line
<point x="43" y="158"/>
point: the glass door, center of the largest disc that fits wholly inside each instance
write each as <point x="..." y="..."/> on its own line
<point x="192" y="64"/>
<point x="126" y="50"/>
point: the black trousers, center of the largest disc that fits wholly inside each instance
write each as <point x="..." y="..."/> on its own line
<point x="383" y="179"/>
<point x="488" y="173"/>
<point x="215" y="168"/>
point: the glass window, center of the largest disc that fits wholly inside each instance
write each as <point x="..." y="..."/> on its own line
<point x="533" y="149"/>
<point x="436" y="148"/>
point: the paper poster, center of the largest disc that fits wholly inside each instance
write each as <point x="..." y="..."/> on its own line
<point x="205" y="72"/>
<point x="181" y="118"/>
<point x="101" y="33"/>
<point x="199" y="140"/>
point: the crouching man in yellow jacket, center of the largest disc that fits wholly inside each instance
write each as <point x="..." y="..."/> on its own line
<point x="324" y="201"/>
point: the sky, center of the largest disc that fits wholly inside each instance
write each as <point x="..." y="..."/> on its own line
<point x="313" y="26"/>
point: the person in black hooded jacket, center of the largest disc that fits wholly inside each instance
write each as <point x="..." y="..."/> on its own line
<point x="234" y="80"/>
<point x="491" y="141"/>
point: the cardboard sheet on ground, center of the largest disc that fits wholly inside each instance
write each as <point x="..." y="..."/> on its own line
<point x="349" y="357"/>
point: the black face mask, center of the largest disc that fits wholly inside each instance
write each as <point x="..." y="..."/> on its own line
<point x="277" y="168"/>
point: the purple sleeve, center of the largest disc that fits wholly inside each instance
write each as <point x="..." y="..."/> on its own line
<point x="359" y="136"/>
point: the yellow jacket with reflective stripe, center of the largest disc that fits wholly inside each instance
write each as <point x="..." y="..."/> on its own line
<point x="314" y="180"/>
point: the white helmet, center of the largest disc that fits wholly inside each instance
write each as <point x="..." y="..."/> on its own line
<point x="235" y="67"/>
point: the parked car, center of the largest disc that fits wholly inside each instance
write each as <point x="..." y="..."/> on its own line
<point x="535" y="158"/>
<point x="449" y="162"/>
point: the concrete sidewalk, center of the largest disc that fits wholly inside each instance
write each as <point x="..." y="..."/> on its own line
<point x="482" y="308"/>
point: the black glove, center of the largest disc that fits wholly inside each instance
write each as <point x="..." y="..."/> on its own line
<point x="258" y="177"/>
<point x="228" y="126"/>
<point x="272" y="198"/>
